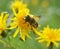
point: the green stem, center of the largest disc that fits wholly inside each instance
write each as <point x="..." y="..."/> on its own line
<point x="51" y="46"/>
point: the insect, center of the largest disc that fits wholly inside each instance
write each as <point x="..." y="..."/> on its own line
<point x="31" y="21"/>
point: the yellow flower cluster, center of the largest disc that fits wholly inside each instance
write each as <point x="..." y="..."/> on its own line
<point x="20" y="10"/>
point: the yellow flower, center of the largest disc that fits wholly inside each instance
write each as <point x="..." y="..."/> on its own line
<point x="3" y="20"/>
<point x="19" y="22"/>
<point x="49" y="35"/>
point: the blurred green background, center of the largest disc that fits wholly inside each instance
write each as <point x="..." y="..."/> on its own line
<point x="49" y="10"/>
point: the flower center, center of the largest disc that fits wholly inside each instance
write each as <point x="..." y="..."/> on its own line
<point x="52" y="36"/>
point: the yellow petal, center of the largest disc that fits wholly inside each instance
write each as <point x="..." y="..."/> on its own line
<point x="28" y="35"/>
<point x="15" y="34"/>
<point x="14" y="12"/>
<point x="48" y="43"/>
<point x="13" y="25"/>
<point x="0" y="31"/>
<point x="22" y="36"/>
<point x="5" y="19"/>
<point x="41" y="40"/>
<point x="2" y="14"/>
<point x="55" y="43"/>
<point x="0" y="19"/>
<point x="6" y="16"/>
<point x="13" y="18"/>
<point x="38" y="38"/>
<point x="38" y="33"/>
<point x="24" y="33"/>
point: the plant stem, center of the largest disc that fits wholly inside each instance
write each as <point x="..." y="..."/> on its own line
<point x="51" y="46"/>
